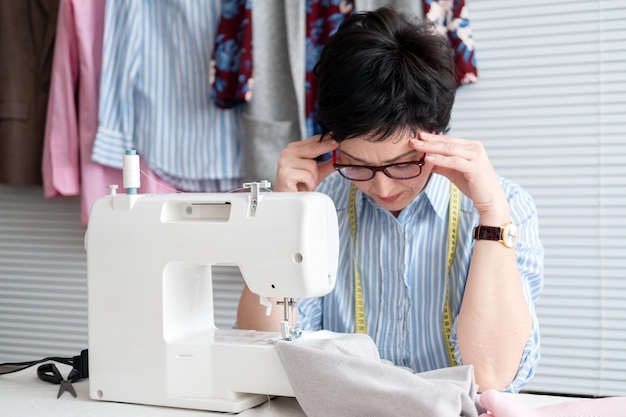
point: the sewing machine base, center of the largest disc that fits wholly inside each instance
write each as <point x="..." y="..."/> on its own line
<point x="210" y="371"/>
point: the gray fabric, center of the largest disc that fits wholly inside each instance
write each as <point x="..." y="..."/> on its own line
<point x="410" y="7"/>
<point x="336" y="374"/>
<point x="275" y="115"/>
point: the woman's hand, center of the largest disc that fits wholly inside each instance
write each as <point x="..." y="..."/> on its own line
<point x="466" y="164"/>
<point x="297" y="168"/>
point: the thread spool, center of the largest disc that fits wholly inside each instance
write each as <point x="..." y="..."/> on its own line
<point x="130" y="172"/>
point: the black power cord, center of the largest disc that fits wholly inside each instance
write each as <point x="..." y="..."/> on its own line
<point x="79" y="364"/>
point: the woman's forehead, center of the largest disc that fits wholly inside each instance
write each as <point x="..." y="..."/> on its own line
<point x="368" y="152"/>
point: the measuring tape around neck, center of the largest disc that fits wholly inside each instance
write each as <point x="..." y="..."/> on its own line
<point x="453" y="233"/>
<point x="360" y="324"/>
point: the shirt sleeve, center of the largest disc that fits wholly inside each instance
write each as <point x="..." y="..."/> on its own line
<point x="120" y="62"/>
<point x="530" y="257"/>
<point x="60" y="164"/>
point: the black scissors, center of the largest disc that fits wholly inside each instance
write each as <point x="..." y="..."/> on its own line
<point x="50" y="373"/>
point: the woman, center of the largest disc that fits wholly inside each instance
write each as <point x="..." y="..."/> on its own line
<point x="435" y="276"/>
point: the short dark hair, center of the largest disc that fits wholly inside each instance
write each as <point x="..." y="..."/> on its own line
<point x="382" y="72"/>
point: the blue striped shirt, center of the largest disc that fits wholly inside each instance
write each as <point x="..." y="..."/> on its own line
<point x="155" y="94"/>
<point x="402" y="264"/>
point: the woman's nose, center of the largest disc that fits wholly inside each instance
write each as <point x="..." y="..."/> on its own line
<point x="382" y="183"/>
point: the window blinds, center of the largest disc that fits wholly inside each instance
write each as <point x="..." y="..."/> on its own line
<point x="550" y="107"/>
<point x="43" y="286"/>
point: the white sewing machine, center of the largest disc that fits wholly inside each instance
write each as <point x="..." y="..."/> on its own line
<point x="152" y="337"/>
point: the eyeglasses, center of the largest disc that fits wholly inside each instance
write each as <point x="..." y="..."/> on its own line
<point x="397" y="171"/>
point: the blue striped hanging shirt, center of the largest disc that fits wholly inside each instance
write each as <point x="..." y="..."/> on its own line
<point x="402" y="264"/>
<point x="155" y="94"/>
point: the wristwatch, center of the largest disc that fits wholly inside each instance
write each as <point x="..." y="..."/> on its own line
<point x="508" y="234"/>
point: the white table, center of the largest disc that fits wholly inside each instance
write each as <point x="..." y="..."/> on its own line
<point x="22" y="394"/>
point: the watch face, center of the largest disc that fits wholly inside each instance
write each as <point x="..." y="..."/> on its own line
<point x="510" y="235"/>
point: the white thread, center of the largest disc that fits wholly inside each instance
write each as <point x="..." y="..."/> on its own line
<point x="130" y="173"/>
<point x="160" y="183"/>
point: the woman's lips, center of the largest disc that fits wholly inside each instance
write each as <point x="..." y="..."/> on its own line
<point x="391" y="198"/>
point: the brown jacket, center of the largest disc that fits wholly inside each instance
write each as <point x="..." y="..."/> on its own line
<point x="27" y="29"/>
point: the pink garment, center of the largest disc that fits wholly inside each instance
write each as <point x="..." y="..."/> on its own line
<point x="505" y="405"/>
<point x="72" y="118"/>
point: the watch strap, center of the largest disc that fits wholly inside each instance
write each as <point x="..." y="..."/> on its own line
<point x="488" y="232"/>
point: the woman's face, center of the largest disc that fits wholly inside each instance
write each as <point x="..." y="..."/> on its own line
<point x="390" y="194"/>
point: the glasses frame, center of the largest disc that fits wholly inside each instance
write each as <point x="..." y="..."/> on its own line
<point x="374" y="169"/>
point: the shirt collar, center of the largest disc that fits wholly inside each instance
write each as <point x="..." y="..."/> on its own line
<point x="438" y="193"/>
